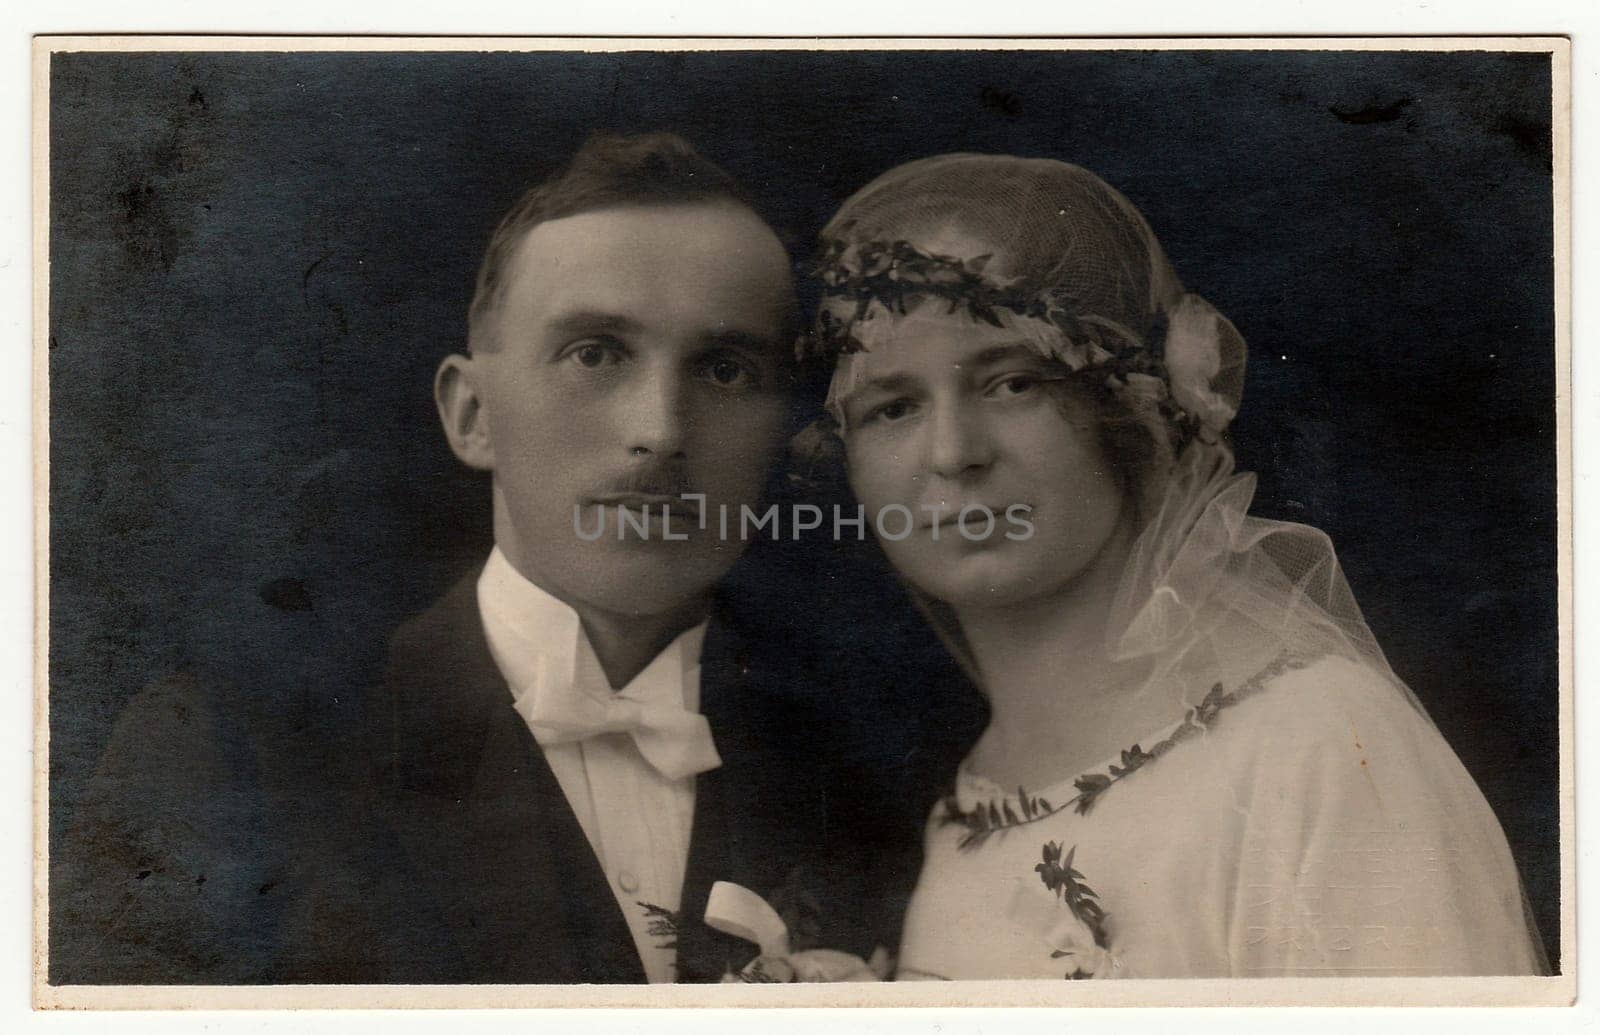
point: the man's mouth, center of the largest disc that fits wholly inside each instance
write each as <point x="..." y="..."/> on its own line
<point x="650" y="503"/>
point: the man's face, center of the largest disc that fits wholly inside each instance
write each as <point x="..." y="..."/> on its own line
<point x="637" y="356"/>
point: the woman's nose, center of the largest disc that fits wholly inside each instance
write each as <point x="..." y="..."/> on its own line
<point x="959" y="444"/>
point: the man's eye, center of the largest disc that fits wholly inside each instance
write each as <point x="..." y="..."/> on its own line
<point x="595" y="354"/>
<point x="897" y="409"/>
<point x="729" y="372"/>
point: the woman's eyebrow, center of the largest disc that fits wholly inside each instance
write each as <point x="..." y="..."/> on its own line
<point x="889" y="384"/>
<point x="1003" y="353"/>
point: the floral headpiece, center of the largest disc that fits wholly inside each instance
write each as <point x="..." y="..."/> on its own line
<point x="1171" y="366"/>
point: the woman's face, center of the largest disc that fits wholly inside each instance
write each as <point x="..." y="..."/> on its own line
<point x="950" y="414"/>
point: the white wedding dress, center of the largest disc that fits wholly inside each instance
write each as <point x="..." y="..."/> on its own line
<point x="1314" y="823"/>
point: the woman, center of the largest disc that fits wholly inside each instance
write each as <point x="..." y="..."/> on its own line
<point x="1199" y="763"/>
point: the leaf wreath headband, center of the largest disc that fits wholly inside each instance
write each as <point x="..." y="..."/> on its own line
<point x="1172" y="367"/>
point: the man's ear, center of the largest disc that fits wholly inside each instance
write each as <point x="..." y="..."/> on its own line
<point x="455" y="392"/>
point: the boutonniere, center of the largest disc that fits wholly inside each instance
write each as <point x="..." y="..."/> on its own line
<point x="740" y="912"/>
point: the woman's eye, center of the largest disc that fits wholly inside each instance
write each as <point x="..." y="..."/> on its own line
<point x="1016" y="384"/>
<point x="596" y="354"/>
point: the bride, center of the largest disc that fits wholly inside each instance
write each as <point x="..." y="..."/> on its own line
<point x="1199" y="763"/>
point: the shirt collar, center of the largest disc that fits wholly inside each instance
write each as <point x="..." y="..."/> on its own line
<point x="537" y="640"/>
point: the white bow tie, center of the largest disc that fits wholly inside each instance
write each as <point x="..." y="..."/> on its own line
<point x="676" y="741"/>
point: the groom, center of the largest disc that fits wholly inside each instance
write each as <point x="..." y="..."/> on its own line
<point x="587" y="732"/>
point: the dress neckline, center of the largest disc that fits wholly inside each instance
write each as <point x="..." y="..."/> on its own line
<point x="984" y="807"/>
<point x="973" y="790"/>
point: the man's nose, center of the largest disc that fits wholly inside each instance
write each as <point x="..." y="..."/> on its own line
<point x="959" y="444"/>
<point x="655" y="418"/>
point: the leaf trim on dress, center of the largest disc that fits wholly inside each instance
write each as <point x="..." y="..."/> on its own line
<point x="1068" y="884"/>
<point x="988" y="819"/>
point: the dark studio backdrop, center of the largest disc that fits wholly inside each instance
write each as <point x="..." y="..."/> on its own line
<point x="257" y="261"/>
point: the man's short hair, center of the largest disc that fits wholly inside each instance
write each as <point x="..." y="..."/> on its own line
<point x="608" y="171"/>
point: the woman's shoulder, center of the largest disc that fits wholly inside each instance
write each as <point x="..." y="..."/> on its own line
<point x="1339" y="730"/>
<point x="1316" y="703"/>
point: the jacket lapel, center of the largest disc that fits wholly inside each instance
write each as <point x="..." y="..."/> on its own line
<point x="761" y="817"/>
<point x="500" y="863"/>
<point x="714" y="854"/>
<point x="820" y="803"/>
<point x="482" y="821"/>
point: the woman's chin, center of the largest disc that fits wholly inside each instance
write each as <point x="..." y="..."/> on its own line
<point x="988" y="579"/>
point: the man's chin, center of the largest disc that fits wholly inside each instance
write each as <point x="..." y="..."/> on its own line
<point x="643" y="577"/>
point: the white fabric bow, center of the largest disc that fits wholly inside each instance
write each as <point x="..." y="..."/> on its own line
<point x="676" y="741"/>
<point x="736" y="910"/>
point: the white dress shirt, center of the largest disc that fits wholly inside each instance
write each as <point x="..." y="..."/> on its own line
<point x="637" y="821"/>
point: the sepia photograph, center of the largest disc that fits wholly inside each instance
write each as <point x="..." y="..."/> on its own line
<point x="914" y="522"/>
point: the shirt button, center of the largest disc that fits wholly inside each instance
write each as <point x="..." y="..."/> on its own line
<point x="627" y="881"/>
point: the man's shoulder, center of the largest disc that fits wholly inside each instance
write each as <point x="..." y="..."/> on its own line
<point x="447" y="627"/>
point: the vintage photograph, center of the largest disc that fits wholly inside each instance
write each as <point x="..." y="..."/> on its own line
<point x="996" y="515"/>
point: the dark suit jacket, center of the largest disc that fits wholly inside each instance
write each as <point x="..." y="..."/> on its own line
<point x="471" y="867"/>
<point x="231" y="835"/>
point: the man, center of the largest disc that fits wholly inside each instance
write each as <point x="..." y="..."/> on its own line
<point x="586" y="734"/>
<point x="582" y="737"/>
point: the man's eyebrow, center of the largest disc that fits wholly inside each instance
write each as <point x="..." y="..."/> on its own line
<point x="591" y="321"/>
<point x="734" y="338"/>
